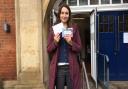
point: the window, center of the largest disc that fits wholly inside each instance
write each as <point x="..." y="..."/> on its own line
<point x="126" y="22"/>
<point x="105" y="1"/>
<point x="83" y="2"/>
<point x="125" y="1"/>
<point x="111" y="23"/>
<point x="121" y="23"/>
<point x="116" y="1"/>
<point x="72" y="2"/>
<point x="93" y="2"/>
<point x="106" y="23"/>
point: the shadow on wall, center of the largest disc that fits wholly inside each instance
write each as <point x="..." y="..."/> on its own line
<point x="1" y="84"/>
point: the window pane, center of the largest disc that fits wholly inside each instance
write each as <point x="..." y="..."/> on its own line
<point x="126" y="28"/>
<point x="83" y="2"/>
<point x="92" y="2"/>
<point x="116" y="1"/>
<point x="121" y="22"/>
<point x="105" y="27"/>
<point x="105" y="19"/>
<point x="105" y="1"/>
<point x="72" y="2"/>
<point x="126" y="23"/>
<point x="100" y="23"/>
<point x="100" y="27"/>
<point x="111" y="27"/>
<point x="125" y="1"/>
<point x="121" y="19"/>
<point x="121" y="27"/>
<point x="111" y="19"/>
<point x="101" y="19"/>
<point x="111" y="23"/>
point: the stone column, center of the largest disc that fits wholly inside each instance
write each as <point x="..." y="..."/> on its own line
<point x="29" y="30"/>
<point x="29" y="38"/>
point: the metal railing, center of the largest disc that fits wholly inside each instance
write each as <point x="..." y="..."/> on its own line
<point x="103" y="70"/>
<point x="103" y="73"/>
<point x="84" y="74"/>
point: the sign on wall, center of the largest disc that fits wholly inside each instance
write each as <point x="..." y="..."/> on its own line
<point x="125" y="37"/>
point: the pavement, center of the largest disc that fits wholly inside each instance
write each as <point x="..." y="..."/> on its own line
<point x="112" y="84"/>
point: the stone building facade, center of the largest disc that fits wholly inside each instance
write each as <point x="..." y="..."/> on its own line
<point x="24" y="60"/>
<point x="23" y="55"/>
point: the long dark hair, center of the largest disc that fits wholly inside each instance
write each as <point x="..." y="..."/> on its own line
<point x="59" y="12"/>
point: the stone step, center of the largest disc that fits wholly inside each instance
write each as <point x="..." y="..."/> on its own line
<point x="29" y="76"/>
<point x="118" y="84"/>
<point x="26" y="80"/>
<point x="29" y="80"/>
<point x="38" y="86"/>
<point x="17" y="85"/>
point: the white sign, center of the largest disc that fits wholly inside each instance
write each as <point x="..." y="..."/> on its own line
<point x="57" y="28"/>
<point x="125" y="37"/>
<point x="67" y="31"/>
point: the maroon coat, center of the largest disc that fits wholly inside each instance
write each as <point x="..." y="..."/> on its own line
<point x="74" y="67"/>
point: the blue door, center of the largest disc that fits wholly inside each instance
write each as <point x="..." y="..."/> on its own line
<point x="111" y="27"/>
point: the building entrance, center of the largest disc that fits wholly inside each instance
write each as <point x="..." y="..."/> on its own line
<point x="112" y="41"/>
<point x="83" y="22"/>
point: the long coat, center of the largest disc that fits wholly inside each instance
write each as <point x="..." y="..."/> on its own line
<point x="74" y="67"/>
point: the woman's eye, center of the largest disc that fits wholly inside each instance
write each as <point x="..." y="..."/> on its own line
<point x="66" y="13"/>
<point x="62" y="12"/>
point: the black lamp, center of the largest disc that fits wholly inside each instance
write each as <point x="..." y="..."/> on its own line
<point x="6" y="27"/>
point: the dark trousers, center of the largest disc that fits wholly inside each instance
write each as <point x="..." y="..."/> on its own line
<point x="63" y="77"/>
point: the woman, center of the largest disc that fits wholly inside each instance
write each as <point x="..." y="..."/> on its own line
<point x="64" y="47"/>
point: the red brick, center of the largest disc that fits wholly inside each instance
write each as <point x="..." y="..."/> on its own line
<point x="7" y="41"/>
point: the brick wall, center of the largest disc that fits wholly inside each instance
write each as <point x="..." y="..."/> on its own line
<point x="7" y="41"/>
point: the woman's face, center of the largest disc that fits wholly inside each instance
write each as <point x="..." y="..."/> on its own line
<point x="64" y="15"/>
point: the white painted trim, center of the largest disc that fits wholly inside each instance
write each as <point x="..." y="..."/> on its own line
<point x="99" y="2"/>
<point x="78" y="3"/>
<point x="93" y="46"/>
<point x="110" y="1"/>
<point x="106" y="7"/>
<point x="67" y="1"/>
<point x="88" y="2"/>
<point x="121" y="1"/>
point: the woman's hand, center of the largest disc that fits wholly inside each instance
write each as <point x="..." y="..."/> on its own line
<point x="57" y="37"/>
<point x="68" y="38"/>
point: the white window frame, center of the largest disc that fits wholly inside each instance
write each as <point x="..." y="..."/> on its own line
<point x="107" y="7"/>
<point x="99" y="2"/>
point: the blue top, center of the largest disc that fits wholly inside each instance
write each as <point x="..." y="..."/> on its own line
<point x="63" y="56"/>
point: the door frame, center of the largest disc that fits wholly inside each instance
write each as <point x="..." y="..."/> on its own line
<point x="93" y="29"/>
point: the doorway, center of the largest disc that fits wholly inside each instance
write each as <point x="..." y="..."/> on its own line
<point x="83" y="22"/>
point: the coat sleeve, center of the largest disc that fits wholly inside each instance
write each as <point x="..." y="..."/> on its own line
<point x="52" y="46"/>
<point x="76" y="41"/>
